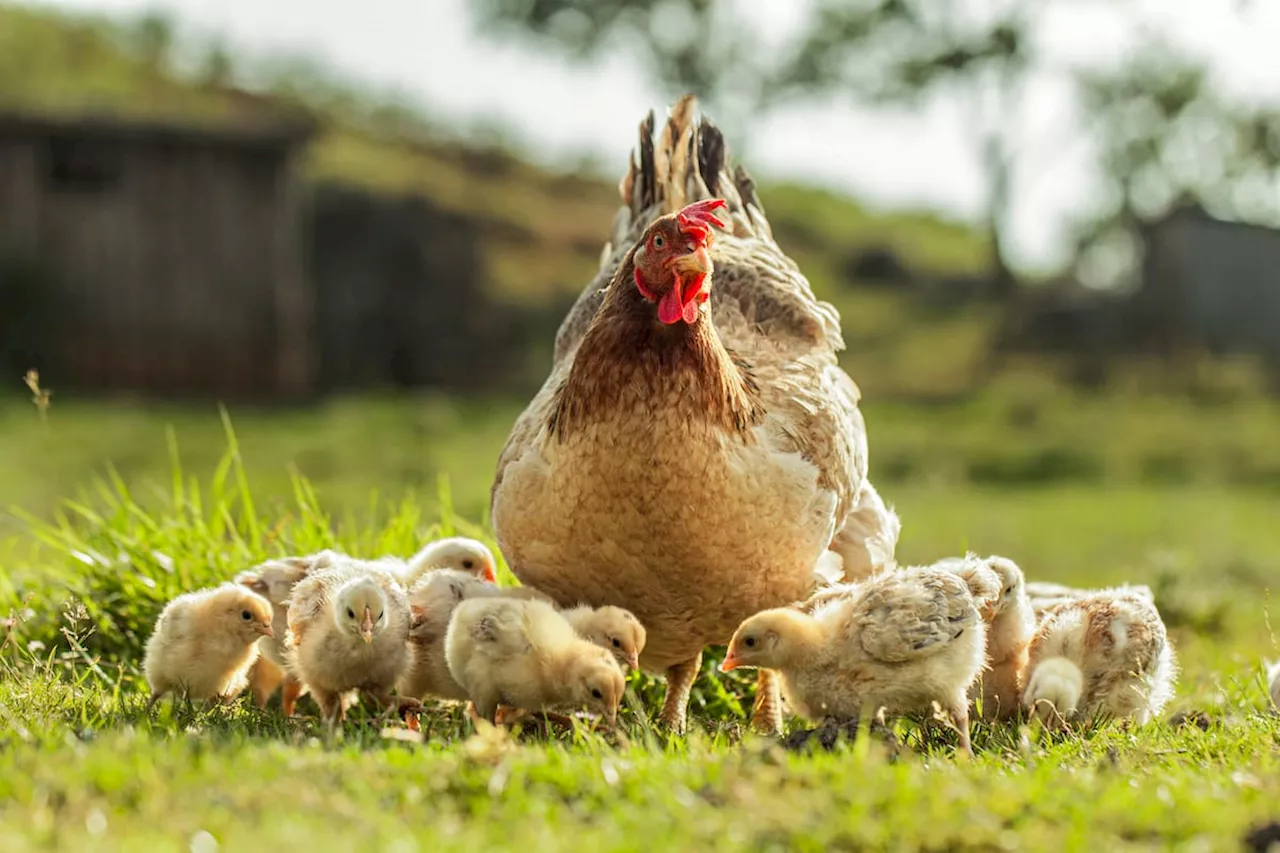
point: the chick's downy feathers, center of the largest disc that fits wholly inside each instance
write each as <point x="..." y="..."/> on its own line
<point x="204" y="643"/>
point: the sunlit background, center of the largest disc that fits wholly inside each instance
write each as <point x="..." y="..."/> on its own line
<point x="1048" y="227"/>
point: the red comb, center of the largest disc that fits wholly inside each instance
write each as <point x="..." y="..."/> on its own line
<point x="696" y="219"/>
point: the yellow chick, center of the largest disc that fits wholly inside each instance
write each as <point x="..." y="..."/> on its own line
<point x="1010" y="626"/>
<point x="274" y="580"/>
<point x="897" y="642"/>
<point x="432" y="602"/>
<point x="524" y="654"/>
<point x="612" y="628"/>
<point x="204" y="643"/>
<point x="1102" y="654"/>
<point x="458" y="553"/>
<point x="348" y="631"/>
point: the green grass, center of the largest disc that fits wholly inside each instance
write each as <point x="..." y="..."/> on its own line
<point x="82" y="767"/>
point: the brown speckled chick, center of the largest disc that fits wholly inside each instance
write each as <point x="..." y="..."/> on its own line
<point x="349" y="631"/>
<point x="204" y="643"/>
<point x="1045" y="595"/>
<point x="525" y="655"/>
<point x="898" y="642"/>
<point x="1104" y="654"/>
<point x="274" y="580"/>
<point x="1010" y="627"/>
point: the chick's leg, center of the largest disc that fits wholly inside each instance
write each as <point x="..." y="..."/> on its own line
<point x="680" y="678"/>
<point x="767" y="715"/>
<point x="959" y="713"/>
<point x="289" y="694"/>
<point x="330" y="705"/>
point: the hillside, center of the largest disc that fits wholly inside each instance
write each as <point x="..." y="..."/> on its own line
<point x="541" y="230"/>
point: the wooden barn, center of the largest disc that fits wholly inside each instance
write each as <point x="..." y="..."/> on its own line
<point x="152" y="256"/>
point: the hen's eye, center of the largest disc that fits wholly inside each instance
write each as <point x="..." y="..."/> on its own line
<point x="751" y="642"/>
<point x="351" y="614"/>
<point x="468" y="564"/>
<point x="246" y="615"/>
<point x="659" y="241"/>
<point x="596" y="694"/>
<point x="617" y="644"/>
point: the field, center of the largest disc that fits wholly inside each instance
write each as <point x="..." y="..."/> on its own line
<point x="1085" y="490"/>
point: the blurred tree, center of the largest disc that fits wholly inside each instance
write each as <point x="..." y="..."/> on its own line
<point x="908" y="51"/>
<point x="218" y="67"/>
<point x="1166" y="137"/>
<point x="154" y="35"/>
<point x="695" y="46"/>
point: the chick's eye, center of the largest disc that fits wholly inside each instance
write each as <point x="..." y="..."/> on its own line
<point x="596" y="694"/>
<point x="751" y="642"/>
<point x="246" y="615"/>
<point x="379" y="616"/>
<point x="617" y="644"/>
<point x="351" y="614"/>
<point x="468" y="564"/>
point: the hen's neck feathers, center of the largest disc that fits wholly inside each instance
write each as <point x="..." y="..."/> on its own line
<point x="629" y="360"/>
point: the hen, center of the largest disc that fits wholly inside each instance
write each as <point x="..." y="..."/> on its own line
<point x="1105" y="654"/>
<point x="696" y="448"/>
<point x="899" y="642"/>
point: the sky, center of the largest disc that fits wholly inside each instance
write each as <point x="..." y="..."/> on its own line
<point x="559" y="110"/>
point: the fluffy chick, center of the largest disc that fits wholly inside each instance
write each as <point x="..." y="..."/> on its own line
<point x="204" y="643"/>
<point x="348" y="631"/>
<point x="897" y="642"/>
<point x="457" y="553"/>
<point x="612" y="628"/>
<point x="1102" y="654"/>
<point x="274" y="580"/>
<point x="1045" y="595"/>
<point x="1010" y="626"/>
<point x="432" y="602"/>
<point x="524" y="654"/>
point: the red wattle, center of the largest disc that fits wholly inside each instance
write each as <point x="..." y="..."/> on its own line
<point x="669" y="308"/>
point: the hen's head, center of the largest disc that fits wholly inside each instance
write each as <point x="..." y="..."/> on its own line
<point x="673" y="264"/>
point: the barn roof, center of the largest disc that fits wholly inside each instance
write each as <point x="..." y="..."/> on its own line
<point x="284" y="129"/>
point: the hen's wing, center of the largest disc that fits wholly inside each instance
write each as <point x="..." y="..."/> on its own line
<point x="910" y="615"/>
<point x="762" y="305"/>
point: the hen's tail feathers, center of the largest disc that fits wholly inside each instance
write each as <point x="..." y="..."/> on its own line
<point x="687" y="161"/>
<point x="1054" y="689"/>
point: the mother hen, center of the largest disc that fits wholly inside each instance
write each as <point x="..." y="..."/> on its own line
<point x="696" y="449"/>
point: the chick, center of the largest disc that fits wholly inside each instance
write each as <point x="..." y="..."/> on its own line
<point x="457" y="553"/>
<point x="1010" y="627"/>
<point x="1273" y="683"/>
<point x="274" y="580"/>
<point x="612" y="628"/>
<point x="204" y="643"/>
<point x="432" y="602"/>
<point x="348" y="631"/>
<point x="524" y="654"/>
<point x="1102" y="654"/>
<point x="1045" y="595"/>
<point x="897" y="642"/>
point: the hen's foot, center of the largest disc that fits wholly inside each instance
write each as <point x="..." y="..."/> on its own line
<point x="680" y="678"/>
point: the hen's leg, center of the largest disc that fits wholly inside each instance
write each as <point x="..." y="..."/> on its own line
<point x="767" y="715"/>
<point x="675" y="707"/>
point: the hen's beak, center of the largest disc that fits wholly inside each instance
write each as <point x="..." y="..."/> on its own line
<point x="730" y="663"/>
<point x="697" y="262"/>
<point x="366" y="625"/>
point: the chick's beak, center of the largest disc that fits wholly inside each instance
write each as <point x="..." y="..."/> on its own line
<point x="366" y="625"/>
<point x="267" y="631"/>
<point x="633" y="660"/>
<point x="730" y="663"/>
<point x="489" y="574"/>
